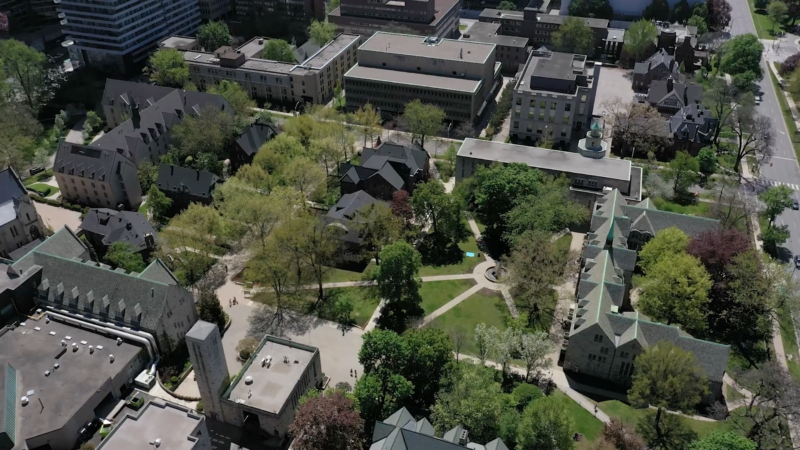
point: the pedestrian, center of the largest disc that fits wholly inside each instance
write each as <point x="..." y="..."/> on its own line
<point x="230" y="303"/>
<point x="356" y="373"/>
<point x="351" y="373"/>
<point x="595" y="409"/>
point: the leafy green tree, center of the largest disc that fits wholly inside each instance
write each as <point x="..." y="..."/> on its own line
<point x="444" y="212"/>
<point x="237" y="97"/>
<point x="148" y="174"/>
<point x="639" y="37"/>
<point x="210" y="132"/>
<point x="551" y="210"/>
<point x="278" y="50"/>
<point x="723" y="440"/>
<point x="707" y="159"/>
<point x="93" y="119"/>
<point x="449" y="165"/>
<point x="191" y="240"/>
<point x="398" y="285"/>
<point x="599" y="9"/>
<point x="507" y="5"/>
<point x="26" y="72"/>
<point x="774" y="236"/>
<point x="377" y="227"/>
<point x="676" y="292"/>
<point x="666" y="378"/>
<point x="666" y="244"/>
<point x="545" y="425"/>
<point x="379" y="398"/>
<point x="168" y="68"/>
<point x="525" y="394"/>
<point x="574" y="36"/>
<point x="304" y="175"/>
<point x="668" y="433"/>
<point x="776" y="200"/>
<point x="472" y="399"/>
<point x="423" y="119"/>
<point x="657" y="10"/>
<point x="60" y="121"/>
<point x="370" y="121"/>
<point x="681" y="12"/>
<point x="274" y="154"/>
<point x="430" y="361"/>
<point x="383" y="353"/>
<point x="238" y="201"/>
<point x="121" y="254"/>
<point x="760" y="4"/>
<point x="321" y="32"/>
<point x="210" y="309"/>
<point x="777" y="12"/>
<point x="158" y="205"/>
<point x="214" y="35"/>
<point x="683" y="172"/>
<point x="699" y="22"/>
<point x="742" y="54"/>
<point x="310" y="243"/>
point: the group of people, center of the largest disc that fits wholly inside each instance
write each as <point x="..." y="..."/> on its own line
<point x="232" y="302"/>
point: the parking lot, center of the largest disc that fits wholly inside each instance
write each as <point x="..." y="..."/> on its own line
<point x="614" y="83"/>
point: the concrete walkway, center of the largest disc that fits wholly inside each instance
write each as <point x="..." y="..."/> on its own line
<point x="451" y="304"/>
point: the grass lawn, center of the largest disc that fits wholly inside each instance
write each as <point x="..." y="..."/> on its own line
<point x="143" y="208"/>
<point x="483" y="307"/>
<point x="462" y="27"/>
<point x="630" y="416"/>
<point x="339" y="275"/>
<point x="41" y="176"/>
<point x="437" y="293"/>
<point x="789" y="342"/>
<point x="363" y="304"/>
<point x="585" y="422"/>
<point x="564" y="242"/>
<point x="465" y="266"/>
<point x="45" y="190"/>
<point x="700" y="209"/>
<point x="764" y="25"/>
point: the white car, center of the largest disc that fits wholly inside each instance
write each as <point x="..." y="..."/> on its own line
<point x="758" y="99"/>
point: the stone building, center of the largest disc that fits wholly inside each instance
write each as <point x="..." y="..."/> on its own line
<point x="437" y="18"/>
<point x="660" y="66"/>
<point x="20" y="224"/>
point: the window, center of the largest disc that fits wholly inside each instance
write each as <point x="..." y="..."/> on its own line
<point x="530" y="115"/>
<point x="516" y="113"/>
<point x="539" y="129"/>
<point x="583" y="98"/>
<point x="543" y="104"/>
<point x="623" y="355"/>
<point x="563" y="132"/>
<point x="604" y="350"/>
<point x="566" y="118"/>
<point x="516" y="125"/>
<point x="553" y="105"/>
<point x="592" y="357"/>
<point x="519" y="101"/>
<point x="568" y="106"/>
<point x="598" y="338"/>
<point x="541" y="115"/>
<point x="533" y="104"/>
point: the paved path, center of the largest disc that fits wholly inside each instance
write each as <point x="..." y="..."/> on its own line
<point x="451" y="304"/>
<point x="55" y="217"/>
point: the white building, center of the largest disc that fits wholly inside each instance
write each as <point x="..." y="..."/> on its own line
<point x="117" y="35"/>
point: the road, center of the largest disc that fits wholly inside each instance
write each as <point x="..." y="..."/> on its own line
<point x="783" y="167"/>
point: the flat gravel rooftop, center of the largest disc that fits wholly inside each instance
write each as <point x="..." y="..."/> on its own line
<point x="157" y="420"/>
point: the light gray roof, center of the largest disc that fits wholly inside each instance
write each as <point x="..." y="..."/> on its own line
<point x="412" y="45"/>
<point x="201" y="330"/>
<point x="171" y="423"/>
<point x="540" y="158"/>
<point x="488" y="33"/>
<point x="11" y="193"/>
<point x="463" y="85"/>
<point x="401" y="431"/>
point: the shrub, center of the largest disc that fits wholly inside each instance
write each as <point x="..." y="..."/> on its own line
<point x="173" y="380"/>
<point x="246" y="347"/>
<point x="524" y="394"/>
<point x="199" y="407"/>
<point x="788" y="67"/>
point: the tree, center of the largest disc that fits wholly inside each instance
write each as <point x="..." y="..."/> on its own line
<point x="370" y="123"/>
<point x="278" y="50"/>
<point x="524" y="394"/>
<point x="507" y="5"/>
<point x="667" y="244"/>
<point x="214" y="35"/>
<point x="378" y="398"/>
<point x="482" y="341"/>
<point x="383" y="353"/>
<point x="401" y="206"/>
<point x="777" y="12"/>
<point x="377" y="227"/>
<point x="657" y="10"/>
<point x="321" y="32"/>
<point x="502" y="345"/>
<point x="551" y="210"/>
<point x="60" y="121"/>
<point x="666" y="377"/>
<point x="722" y="99"/>
<point x="168" y="68"/>
<point x="93" y="119"/>
<point x="327" y="422"/>
<point x="192" y="239"/>
<point x="742" y="54"/>
<point x="429" y="363"/>
<point x="789" y="66"/>
<point x="237" y="97"/>
<point x="640" y="37"/>
<point x="723" y="440"/>
<point x="533" y="349"/>
<point x="26" y="72"/>
<point x="398" y="285"/>
<point x="246" y="347"/>
<point x="719" y="14"/>
<point x="282" y="272"/>
<point x="535" y="266"/>
<point x="753" y="134"/>
<point x="707" y="160"/>
<point x="158" y="205"/>
<point x="699" y="22"/>
<point x="121" y="254"/>
<point x="545" y="425"/>
<point x="681" y="12"/>
<point x="210" y="132"/>
<point x="617" y="433"/>
<point x="304" y="175"/>
<point x="473" y="400"/>
<point x="668" y="433"/>
<point x="774" y="236"/>
<point x="210" y="310"/>
<point x="599" y="9"/>
<point x="676" y="291"/>
<point x="760" y="4"/>
<point x="574" y="36"/>
<point x="239" y="202"/>
<point x="683" y="172"/>
<point x="636" y="125"/>
<point x="311" y="244"/>
<point x="147" y="174"/>
<point x="442" y="211"/>
<point x="776" y="200"/>
<point x="716" y="249"/>
<point x="423" y="119"/>
<point x="274" y="154"/>
<point x="41" y="157"/>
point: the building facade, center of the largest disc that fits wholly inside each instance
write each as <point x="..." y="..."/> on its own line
<point x="290" y="10"/>
<point x="214" y="9"/>
<point x="208" y="358"/>
<point x="395" y="69"/>
<point x="20" y="224"/>
<point x="512" y="51"/>
<point x="437" y="18"/>
<point x="311" y="81"/>
<point x="385" y="170"/>
<point x="554" y="97"/>
<point x="118" y="36"/>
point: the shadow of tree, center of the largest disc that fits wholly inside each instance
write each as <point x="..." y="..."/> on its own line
<point x="439" y="250"/>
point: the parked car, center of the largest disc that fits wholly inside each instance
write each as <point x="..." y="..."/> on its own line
<point x="33" y="171"/>
<point x="758" y="99"/>
<point x="797" y="261"/>
<point x="795" y="204"/>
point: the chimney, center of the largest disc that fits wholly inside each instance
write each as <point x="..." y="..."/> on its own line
<point x="171" y="170"/>
<point x="198" y="175"/>
<point x="461" y="54"/>
<point x="670" y="84"/>
<point x="135" y="117"/>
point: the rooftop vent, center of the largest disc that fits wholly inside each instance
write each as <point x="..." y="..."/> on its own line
<point x="119" y="341"/>
<point x="248" y="380"/>
<point x="24" y="401"/>
<point x="47" y="373"/>
<point x="91" y="349"/>
<point x="74" y="346"/>
<point x="156" y="443"/>
<point x="55" y="366"/>
<point x="111" y="358"/>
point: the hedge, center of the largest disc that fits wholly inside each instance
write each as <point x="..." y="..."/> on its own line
<point x="56" y="203"/>
<point x="503" y="107"/>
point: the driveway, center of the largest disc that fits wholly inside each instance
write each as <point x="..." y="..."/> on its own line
<point x="615" y="83"/>
<point x="55" y="217"/>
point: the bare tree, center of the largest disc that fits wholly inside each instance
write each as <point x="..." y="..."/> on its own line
<point x="639" y="126"/>
<point x="465" y="130"/>
<point x="721" y="100"/>
<point x="733" y="206"/>
<point x="753" y="134"/>
<point x="458" y="336"/>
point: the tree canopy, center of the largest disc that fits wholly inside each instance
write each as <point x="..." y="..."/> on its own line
<point x="507" y="5"/>
<point x="122" y="255"/>
<point x="742" y="54"/>
<point x="168" y="68"/>
<point x="278" y="50"/>
<point x="545" y="425"/>
<point x="327" y="422"/>
<point x="776" y="200"/>
<point x="423" y="119"/>
<point x="723" y="440"/>
<point x="574" y="36"/>
<point x="214" y="35"/>
<point x="238" y="98"/>
<point x="26" y="71"/>
<point x="321" y="32"/>
<point x="666" y="244"/>
<point x="599" y="9"/>
<point x="640" y="36"/>
<point x="657" y="10"/>
<point x="398" y="284"/>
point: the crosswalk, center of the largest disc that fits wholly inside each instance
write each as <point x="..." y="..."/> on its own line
<point x="780" y="183"/>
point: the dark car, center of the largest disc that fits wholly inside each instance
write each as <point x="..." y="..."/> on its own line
<point x="797" y="261"/>
<point x="795" y="204"/>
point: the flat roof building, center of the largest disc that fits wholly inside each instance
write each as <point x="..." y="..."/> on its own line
<point x="65" y="373"/>
<point x="174" y="427"/>
<point x="437" y="18"/>
<point x="312" y="80"/>
<point x="554" y="97"/>
<point x="395" y="69"/>
<point x="512" y="51"/>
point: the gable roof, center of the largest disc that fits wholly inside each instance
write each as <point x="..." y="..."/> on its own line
<point x="11" y="193"/>
<point x="341" y="215"/>
<point x="693" y="123"/>
<point x="685" y="94"/>
<point x="119" y="226"/>
<point x="401" y="431"/>
<point x="661" y="59"/>
<point x="177" y="179"/>
<point x="254" y="136"/>
<point x="70" y="278"/>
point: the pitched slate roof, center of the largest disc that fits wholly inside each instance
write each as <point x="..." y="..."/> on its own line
<point x="177" y="179"/>
<point x="390" y="161"/>
<point x="601" y="289"/>
<point x="414" y="157"/>
<point x="682" y="94"/>
<point x="69" y="277"/>
<point x="693" y="123"/>
<point x="254" y="136"/>
<point x="401" y="431"/>
<point x="120" y="226"/>
<point x="11" y="193"/>
<point x="660" y="58"/>
<point x="341" y="215"/>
